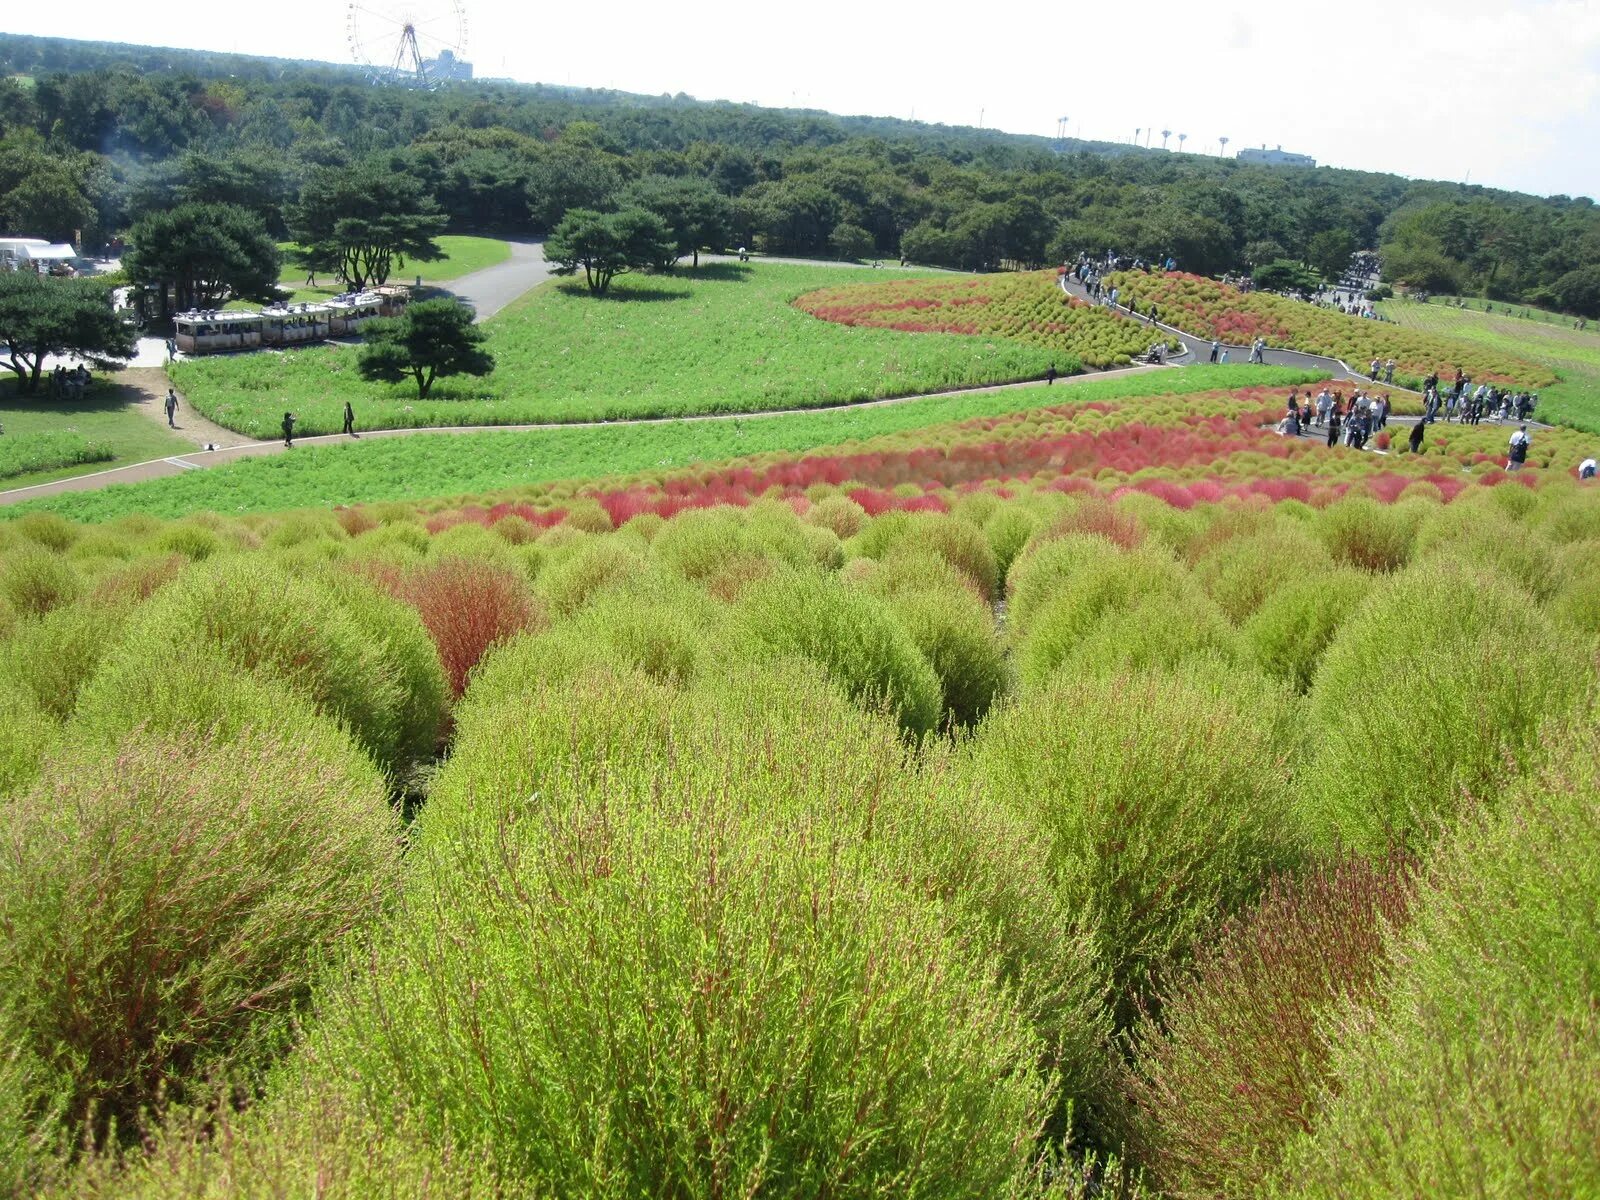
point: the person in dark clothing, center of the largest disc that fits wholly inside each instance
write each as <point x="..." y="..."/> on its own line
<point x="1333" y="429"/>
<point x="288" y="429"/>
<point x="1416" y="438"/>
<point x="171" y="405"/>
<point x="1049" y="377"/>
<point x="350" y="417"/>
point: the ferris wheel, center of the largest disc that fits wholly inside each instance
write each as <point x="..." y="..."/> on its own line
<point x="414" y="43"/>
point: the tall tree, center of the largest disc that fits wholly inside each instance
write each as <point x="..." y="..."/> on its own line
<point x="40" y="317"/>
<point x="432" y="339"/>
<point x="203" y="255"/>
<point x="606" y="245"/>
<point x="698" y="216"/>
<point x="363" y="221"/>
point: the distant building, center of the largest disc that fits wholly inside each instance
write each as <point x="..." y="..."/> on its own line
<point x="1276" y="158"/>
<point x="447" y="66"/>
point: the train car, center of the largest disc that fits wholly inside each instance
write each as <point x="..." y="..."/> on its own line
<point x="349" y="313"/>
<point x="294" y="324"/>
<point x="218" y="331"/>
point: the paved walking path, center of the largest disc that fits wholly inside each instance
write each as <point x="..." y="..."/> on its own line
<point x="1197" y="349"/>
<point x="176" y="465"/>
<point x="491" y="289"/>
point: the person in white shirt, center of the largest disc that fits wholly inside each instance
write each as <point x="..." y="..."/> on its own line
<point x="1519" y="449"/>
<point x="1586" y="469"/>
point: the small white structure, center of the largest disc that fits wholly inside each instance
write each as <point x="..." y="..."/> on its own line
<point x="34" y="253"/>
<point x="1276" y="158"/>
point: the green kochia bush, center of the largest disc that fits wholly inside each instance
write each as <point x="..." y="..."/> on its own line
<point x="1163" y="796"/>
<point x="1110" y="583"/>
<point x="163" y="902"/>
<point x="359" y="655"/>
<point x="26" y="735"/>
<point x="854" y="636"/>
<point x="1236" y="1064"/>
<point x="962" y="545"/>
<point x="1433" y="691"/>
<point x="1289" y="632"/>
<point x="1478" y="1077"/>
<point x="665" y="974"/>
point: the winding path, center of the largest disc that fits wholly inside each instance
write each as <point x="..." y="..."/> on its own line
<point x="159" y="468"/>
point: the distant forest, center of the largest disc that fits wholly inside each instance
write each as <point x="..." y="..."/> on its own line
<point x="94" y="136"/>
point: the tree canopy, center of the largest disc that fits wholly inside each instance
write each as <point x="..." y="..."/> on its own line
<point x="432" y="339"/>
<point x="203" y="255"/>
<point x="40" y="317"/>
<point x="606" y="245"/>
<point x="363" y="221"/>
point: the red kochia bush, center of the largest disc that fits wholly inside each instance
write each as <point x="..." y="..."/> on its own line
<point x="1233" y="1070"/>
<point x="467" y="606"/>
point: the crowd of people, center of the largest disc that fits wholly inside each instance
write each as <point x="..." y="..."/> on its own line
<point x="1348" y="423"/>
<point x="1460" y="401"/>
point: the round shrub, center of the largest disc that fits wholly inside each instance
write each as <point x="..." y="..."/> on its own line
<point x="710" y="941"/>
<point x="961" y="545"/>
<point x="570" y="581"/>
<point x="190" y="539"/>
<point x="359" y="655"/>
<point x="1104" y="582"/>
<point x="1008" y="531"/>
<point x="163" y="903"/>
<point x="696" y="545"/>
<point x="1242" y="573"/>
<point x="47" y="529"/>
<point x="1238" y="1060"/>
<point x="1477" y="1076"/>
<point x="1433" y="691"/>
<point x="1288" y="634"/>
<point x="467" y="605"/>
<point x="1492" y="541"/>
<point x="53" y="656"/>
<point x="853" y="636"/>
<point x="840" y="514"/>
<point x="1163" y="795"/>
<point x="1157" y="630"/>
<point x="1039" y="573"/>
<point x="1576" y="602"/>
<point x="1363" y="533"/>
<point x="34" y="580"/>
<point x="657" y="626"/>
<point x="959" y="640"/>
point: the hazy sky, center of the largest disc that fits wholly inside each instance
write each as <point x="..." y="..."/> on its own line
<point x="1507" y="91"/>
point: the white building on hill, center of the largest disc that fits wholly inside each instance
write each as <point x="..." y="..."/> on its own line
<point x="1276" y="158"/>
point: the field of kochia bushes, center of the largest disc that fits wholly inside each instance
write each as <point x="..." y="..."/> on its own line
<point x="1212" y="309"/>
<point x="1026" y="307"/>
<point x="1050" y="845"/>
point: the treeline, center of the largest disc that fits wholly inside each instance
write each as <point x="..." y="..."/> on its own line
<point x="93" y="137"/>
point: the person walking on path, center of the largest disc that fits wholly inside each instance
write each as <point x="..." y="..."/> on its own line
<point x="288" y="429"/>
<point x="1258" y="351"/>
<point x="172" y="349"/>
<point x="1372" y="371"/>
<point x="1416" y="438"/>
<point x="1216" y="349"/>
<point x="171" y="405"/>
<point x="1049" y="379"/>
<point x="1333" y="428"/>
<point x="350" y="413"/>
<point x="1519" y="449"/>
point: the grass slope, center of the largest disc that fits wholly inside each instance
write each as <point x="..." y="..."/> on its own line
<point x="104" y="416"/>
<point x="456" y="464"/>
<point x="1572" y="354"/>
<point x="723" y="338"/>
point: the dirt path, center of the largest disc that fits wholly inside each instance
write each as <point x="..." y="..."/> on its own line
<point x="243" y="448"/>
<point x="150" y="386"/>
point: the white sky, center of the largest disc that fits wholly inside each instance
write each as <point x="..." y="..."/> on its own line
<point x="1506" y="90"/>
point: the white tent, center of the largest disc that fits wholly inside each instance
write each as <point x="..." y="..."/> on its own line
<point x="20" y="252"/>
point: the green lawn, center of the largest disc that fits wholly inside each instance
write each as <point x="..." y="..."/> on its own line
<point x="1573" y="355"/>
<point x="463" y="256"/>
<point x="104" y="415"/>
<point x="724" y="338"/>
<point x="473" y="463"/>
